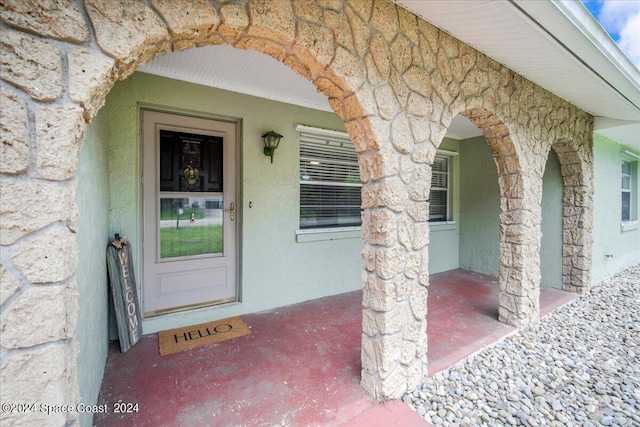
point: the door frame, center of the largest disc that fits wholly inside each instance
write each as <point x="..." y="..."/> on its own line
<point x="238" y="191"/>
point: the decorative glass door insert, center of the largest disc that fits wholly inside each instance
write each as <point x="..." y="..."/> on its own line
<point x="191" y="201"/>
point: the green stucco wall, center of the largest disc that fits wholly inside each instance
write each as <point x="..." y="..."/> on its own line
<point x="480" y="213"/>
<point x="613" y="248"/>
<point x="92" y="197"/>
<point x="275" y="269"/>
<point x="479" y="207"/>
<point x="551" y="244"/>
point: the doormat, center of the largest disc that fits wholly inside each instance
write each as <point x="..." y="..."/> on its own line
<point x="181" y="339"/>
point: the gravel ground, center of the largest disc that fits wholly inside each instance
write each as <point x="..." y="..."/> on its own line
<point x="580" y="367"/>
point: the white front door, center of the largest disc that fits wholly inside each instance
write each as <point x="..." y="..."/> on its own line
<point x="189" y="238"/>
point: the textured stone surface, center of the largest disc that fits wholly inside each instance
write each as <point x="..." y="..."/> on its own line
<point x="129" y="31"/>
<point x="14" y="133"/>
<point x="347" y="71"/>
<point x="32" y="64"/>
<point x="314" y="46"/>
<point x="88" y="72"/>
<point x="234" y="19"/>
<point x="25" y="214"/>
<point x="194" y="20"/>
<point x="58" y="19"/>
<point x="43" y="375"/>
<point x="59" y="133"/>
<point x="51" y="257"/>
<point x="39" y="315"/>
<point x="396" y="80"/>
<point x="308" y="10"/>
<point x="272" y="20"/>
<point x="9" y="284"/>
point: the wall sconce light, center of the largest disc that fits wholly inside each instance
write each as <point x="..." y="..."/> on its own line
<point x="271" y="142"/>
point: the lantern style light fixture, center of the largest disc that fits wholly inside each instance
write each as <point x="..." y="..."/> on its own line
<point x="271" y="142"/>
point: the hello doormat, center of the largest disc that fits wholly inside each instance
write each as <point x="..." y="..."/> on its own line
<point x="181" y="339"/>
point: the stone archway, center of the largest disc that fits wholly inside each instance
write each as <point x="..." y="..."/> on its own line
<point x="394" y="79"/>
<point x="519" y="291"/>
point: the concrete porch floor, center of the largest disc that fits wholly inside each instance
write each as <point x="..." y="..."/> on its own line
<point x="300" y="366"/>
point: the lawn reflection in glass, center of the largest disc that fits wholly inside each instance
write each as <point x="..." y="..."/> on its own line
<point x="191" y="227"/>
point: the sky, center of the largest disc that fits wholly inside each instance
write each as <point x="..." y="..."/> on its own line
<point x="621" y="19"/>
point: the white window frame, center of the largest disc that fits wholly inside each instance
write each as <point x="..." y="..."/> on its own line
<point x="448" y="189"/>
<point x="312" y="135"/>
<point x="632" y="159"/>
<point x="626" y="187"/>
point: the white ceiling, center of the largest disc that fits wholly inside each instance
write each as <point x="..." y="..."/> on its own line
<point x="238" y="70"/>
<point x="540" y="40"/>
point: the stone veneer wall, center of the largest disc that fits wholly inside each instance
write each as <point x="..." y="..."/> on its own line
<point x="394" y="79"/>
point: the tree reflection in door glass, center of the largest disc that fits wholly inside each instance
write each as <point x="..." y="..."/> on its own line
<point x="190" y="226"/>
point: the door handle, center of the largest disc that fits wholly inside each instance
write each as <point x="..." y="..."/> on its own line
<point x="232" y="211"/>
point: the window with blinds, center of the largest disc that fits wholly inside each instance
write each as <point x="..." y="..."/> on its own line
<point x="329" y="179"/>
<point x="626" y="190"/>
<point x="439" y="195"/>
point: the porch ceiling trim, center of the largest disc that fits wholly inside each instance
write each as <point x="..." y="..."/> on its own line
<point x="556" y="44"/>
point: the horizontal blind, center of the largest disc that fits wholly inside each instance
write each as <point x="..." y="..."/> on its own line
<point x="329" y="181"/>
<point x="439" y="194"/>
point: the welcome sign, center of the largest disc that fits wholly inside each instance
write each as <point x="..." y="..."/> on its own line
<point x="125" y="293"/>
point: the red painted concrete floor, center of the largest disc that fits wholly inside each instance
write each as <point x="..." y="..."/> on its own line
<point x="462" y="313"/>
<point x="300" y="366"/>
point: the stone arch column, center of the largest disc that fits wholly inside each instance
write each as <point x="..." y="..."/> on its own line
<point x="395" y="259"/>
<point x="519" y="231"/>
<point x="576" y="167"/>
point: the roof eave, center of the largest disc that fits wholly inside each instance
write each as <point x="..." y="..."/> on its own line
<point x="584" y="36"/>
<point x="577" y="30"/>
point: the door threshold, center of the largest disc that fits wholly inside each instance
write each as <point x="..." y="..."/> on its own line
<point x="189" y="307"/>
